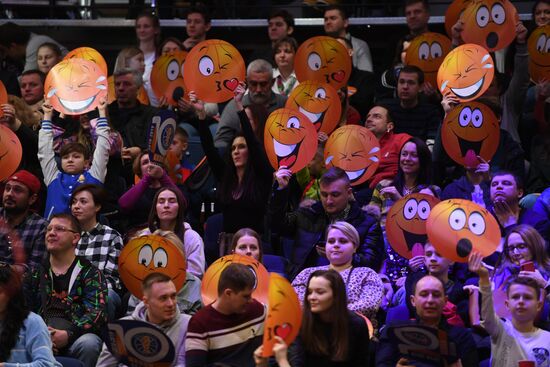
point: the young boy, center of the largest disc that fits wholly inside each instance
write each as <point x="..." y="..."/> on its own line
<point x="518" y="339"/>
<point x="75" y="160"/>
<point x="180" y="168"/>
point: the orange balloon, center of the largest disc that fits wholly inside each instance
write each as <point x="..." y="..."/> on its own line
<point x="3" y="96"/>
<point x="290" y="139"/>
<point x="453" y="14"/>
<point x="406" y="222"/>
<point x="10" y="152"/>
<point x="323" y="59"/>
<point x="470" y="129"/>
<point x="539" y="54"/>
<point x="142" y="96"/>
<point x="319" y="102"/>
<point x="427" y="51"/>
<point x="456" y="227"/>
<point x="213" y="69"/>
<point x="150" y="254"/>
<point x="167" y="77"/>
<point x="354" y="149"/>
<point x="490" y="23"/>
<point x="284" y="314"/>
<point x="209" y="285"/>
<point x="90" y="54"/>
<point x="466" y="72"/>
<point x="75" y="86"/>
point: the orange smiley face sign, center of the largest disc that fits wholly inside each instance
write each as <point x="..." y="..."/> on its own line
<point x="427" y="51"/>
<point x="284" y="314"/>
<point x="150" y="254"/>
<point x="469" y="130"/>
<point x="453" y="14"/>
<point x="75" y="86"/>
<point x="10" y="152"/>
<point x="213" y="69"/>
<point x="323" y="59"/>
<point x="354" y="149"/>
<point x="3" y="96"/>
<point x="90" y="54"/>
<point x="490" y="23"/>
<point x="466" y="72"/>
<point x="319" y="102"/>
<point x="167" y="77"/>
<point x="456" y="227"/>
<point x="209" y="285"/>
<point x="539" y="54"/>
<point x="406" y="223"/>
<point x="290" y="139"/>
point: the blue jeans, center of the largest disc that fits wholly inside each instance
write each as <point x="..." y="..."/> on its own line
<point x="86" y="349"/>
<point x="113" y="305"/>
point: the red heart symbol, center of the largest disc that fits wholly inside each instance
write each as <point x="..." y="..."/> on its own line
<point x="231" y="84"/>
<point x="283" y="330"/>
<point x="339" y="76"/>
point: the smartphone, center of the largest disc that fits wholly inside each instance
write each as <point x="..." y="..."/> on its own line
<point x="527" y="266"/>
<point x="417" y="250"/>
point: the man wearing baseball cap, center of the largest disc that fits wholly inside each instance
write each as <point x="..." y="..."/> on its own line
<point x="19" y="226"/>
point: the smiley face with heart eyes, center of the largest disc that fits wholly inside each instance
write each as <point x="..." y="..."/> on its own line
<point x="406" y="223"/>
<point x="317" y="101"/>
<point x="456" y="227"/>
<point x="466" y="72"/>
<point x="539" y="54"/>
<point x="213" y="69"/>
<point x="290" y="139"/>
<point x="469" y="130"/>
<point x="323" y="59"/>
<point x="150" y="254"/>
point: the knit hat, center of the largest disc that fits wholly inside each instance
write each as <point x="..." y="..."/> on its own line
<point x="27" y="179"/>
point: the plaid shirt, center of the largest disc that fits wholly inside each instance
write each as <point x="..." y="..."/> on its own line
<point x="32" y="232"/>
<point x="102" y="246"/>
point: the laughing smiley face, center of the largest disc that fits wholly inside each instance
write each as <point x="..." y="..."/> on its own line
<point x="406" y="223"/>
<point x="466" y="72"/>
<point x="213" y="69"/>
<point x="319" y="102"/>
<point x="354" y="149"/>
<point x="290" y="139"/>
<point x="150" y="254"/>
<point x="75" y="86"/>
<point x="469" y="130"/>
<point x="323" y="59"/>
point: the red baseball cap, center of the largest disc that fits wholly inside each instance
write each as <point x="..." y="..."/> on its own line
<point x="27" y="179"/>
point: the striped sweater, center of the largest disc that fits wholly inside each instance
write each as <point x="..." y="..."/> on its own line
<point x="215" y="337"/>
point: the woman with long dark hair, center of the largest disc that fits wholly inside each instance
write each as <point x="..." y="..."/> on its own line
<point x="244" y="177"/>
<point x="330" y="335"/>
<point x="168" y="214"/>
<point x="24" y="337"/>
<point x="414" y="175"/>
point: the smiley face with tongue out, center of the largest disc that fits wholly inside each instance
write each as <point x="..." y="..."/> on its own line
<point x="319" y="102"/>
<point x="406" y="222"/>
<point x="354" y="149"/>
<point x="456" y="227"/>
<point x="469" y="130"/>
<point x="466" y="72"/>
<point x="213" y="69"/>
<point x="323" y="59"/>
<point x="290" y="139"/>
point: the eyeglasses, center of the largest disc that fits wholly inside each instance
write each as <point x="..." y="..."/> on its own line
<point x="519" y="247"/>
<point x="59" y="229"/>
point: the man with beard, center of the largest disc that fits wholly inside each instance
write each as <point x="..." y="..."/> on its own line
<point x="19" y="223"/>
<point x="259" y="77"/>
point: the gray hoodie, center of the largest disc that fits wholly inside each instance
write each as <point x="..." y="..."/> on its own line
<point x="175" y="329"/>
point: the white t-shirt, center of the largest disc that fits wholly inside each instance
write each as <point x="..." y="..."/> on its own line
<point x="536" y="345"/>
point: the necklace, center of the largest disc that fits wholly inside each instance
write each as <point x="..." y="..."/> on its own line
<point x="408" y="190"/>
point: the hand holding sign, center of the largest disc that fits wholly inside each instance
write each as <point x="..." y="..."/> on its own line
<point x="161" y="134"/>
